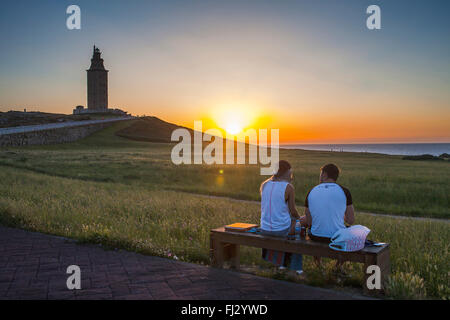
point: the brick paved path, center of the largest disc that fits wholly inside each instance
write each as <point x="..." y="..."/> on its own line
<point x="33" y="266"/>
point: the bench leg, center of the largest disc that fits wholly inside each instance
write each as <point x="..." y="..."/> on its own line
<point x="369" y="260"/>
<point x="217" y="249"/>
<point x="383" y="262"/>
<point x="232" y="254"/>
<point x="221" y="252"/>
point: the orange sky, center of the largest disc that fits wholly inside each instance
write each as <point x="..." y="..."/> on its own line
<point x="311" y="70"/>
<point x="322" y="124"/>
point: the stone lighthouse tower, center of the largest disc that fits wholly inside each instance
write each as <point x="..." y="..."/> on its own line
<point x="97" y="84"/>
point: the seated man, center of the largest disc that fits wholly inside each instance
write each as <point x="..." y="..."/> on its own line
<point x="328" y="206"/>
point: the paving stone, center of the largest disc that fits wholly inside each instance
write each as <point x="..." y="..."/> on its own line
<point x="33" y="266"/>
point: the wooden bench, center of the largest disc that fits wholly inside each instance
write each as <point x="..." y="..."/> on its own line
<point x="225" y="247"/>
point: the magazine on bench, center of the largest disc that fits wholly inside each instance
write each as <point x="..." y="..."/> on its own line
<point x="240" y="227"/>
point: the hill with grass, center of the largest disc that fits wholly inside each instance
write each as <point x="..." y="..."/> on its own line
<point x="151" y="129"/>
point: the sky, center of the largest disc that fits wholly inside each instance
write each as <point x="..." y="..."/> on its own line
<point x="311" y="69"/>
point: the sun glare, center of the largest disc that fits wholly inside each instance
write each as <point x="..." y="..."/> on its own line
<point x="233" y="127"/>
<point x="233" y="120"/>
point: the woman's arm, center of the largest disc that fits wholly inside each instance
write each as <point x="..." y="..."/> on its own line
<point x="290" y="198"/>
<point x="308" y="220"/>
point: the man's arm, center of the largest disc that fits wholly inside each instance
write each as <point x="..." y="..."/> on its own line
<point x="349" y="216"/>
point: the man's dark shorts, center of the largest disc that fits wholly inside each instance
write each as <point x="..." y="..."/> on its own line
<point x="318" y="239"/>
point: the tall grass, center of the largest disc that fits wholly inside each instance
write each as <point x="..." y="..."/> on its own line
<point x="176" y="225"/>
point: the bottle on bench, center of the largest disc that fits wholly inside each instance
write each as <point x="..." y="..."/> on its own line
<point x="303" y="232"/>
<point x="298" y="228"/>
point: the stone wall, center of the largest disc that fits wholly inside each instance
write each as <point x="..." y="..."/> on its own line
<point x="51" y="136"/>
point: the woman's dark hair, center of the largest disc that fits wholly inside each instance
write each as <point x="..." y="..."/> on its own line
<point x="283" y="167"/>
<point x="331" y="170"/>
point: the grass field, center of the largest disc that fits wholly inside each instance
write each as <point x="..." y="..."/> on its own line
<point x="121" y="193"/>
<point x="378" y="183"/>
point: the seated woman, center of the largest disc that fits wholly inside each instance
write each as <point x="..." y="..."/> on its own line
<point x="279" y="215"/>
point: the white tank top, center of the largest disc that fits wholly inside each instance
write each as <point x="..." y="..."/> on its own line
<point x="275" y="214"/>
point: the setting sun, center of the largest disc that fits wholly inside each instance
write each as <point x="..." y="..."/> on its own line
<point x="233" y="119"/>
<point x="233" y="126"/>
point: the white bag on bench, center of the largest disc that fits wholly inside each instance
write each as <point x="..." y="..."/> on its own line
<point x="349" y="239"/>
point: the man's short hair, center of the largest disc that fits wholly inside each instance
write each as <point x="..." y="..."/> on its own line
<point x="331" y="170"/>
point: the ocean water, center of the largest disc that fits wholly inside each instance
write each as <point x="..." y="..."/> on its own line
<point x="385" y="148"/>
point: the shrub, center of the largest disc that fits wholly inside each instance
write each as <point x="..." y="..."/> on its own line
<point x="403" y="285"/>
<point x="422" y="157"/>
